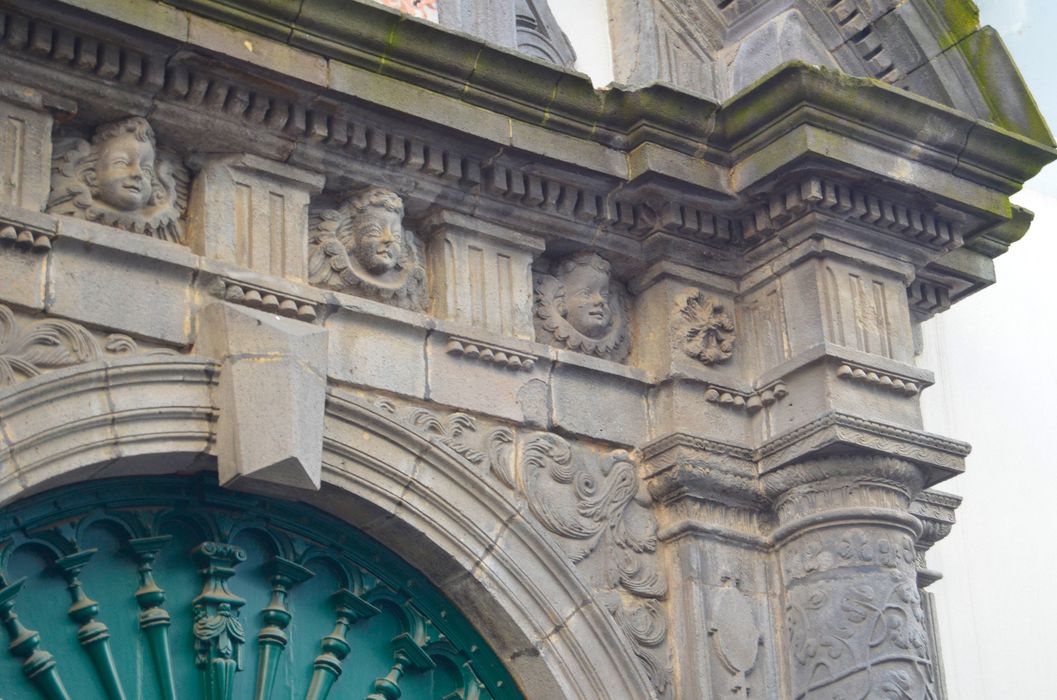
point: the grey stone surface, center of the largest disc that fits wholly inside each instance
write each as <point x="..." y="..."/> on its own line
<point x="25" y="140"/>
<point x="272" y="382"/>
<point x="640" y="399"/>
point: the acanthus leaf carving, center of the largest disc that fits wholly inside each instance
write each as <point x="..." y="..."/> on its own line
<point x="121" y="178"/>
<point x="705" y="330"/>
<point x="595" y="506"/>
<point x="362" y="248"/>
<point x="27" y="349"/>
<point x="600" y="512"/>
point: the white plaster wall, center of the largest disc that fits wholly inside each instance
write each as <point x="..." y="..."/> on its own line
<point x="993" y="355"/>
<point x="995" y="358"/>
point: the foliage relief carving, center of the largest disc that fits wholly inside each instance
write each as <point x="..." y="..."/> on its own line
<point x="121" y="178"/>
<point x="862" y="639"/>
<point x="592" y="502"/>
<point x="705" y="331"/>
<point x="579" y="306"/>
<point x="363" y="248"/>
<point x="30" y="348"/>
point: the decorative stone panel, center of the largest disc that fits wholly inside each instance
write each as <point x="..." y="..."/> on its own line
<point x="253" y="212"/>
<point x="481" y="273"/>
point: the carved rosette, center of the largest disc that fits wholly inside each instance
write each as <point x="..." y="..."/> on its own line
<point x="579" y="306"/>
<point x="121" y="178"/>
<point x="362" y="248"/>
<point x="853" y="616"/>
<point x="703" y="329"/>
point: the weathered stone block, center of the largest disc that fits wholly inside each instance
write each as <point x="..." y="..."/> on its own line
<point x="482" y="273"/>
<point x="253" y="212"/>
<point x="381" y="352"/>
<point x="272" y="383"/>
<point x="24" y="277"/>
<point x="482" y="376"/>
<point x="121" y="281"/>
<point x="577" y="406"/>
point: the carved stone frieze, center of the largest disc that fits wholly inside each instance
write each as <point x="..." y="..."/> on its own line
<point x="749" y="401"/>
<point x="579" y="306"/>
<point x="362" y="248"/>
<point x="594" y="505"/>
<point x="30" y="347"/>
<point x="817" y="194"/>
<point x="121" y="178"/>
<point x="273" y="301"/>
<point x="704" y="330"/>
<point x="25" y="236"/>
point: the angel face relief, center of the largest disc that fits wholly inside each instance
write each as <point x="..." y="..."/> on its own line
<point x="581" y="307"/>
<point x="120" y="179"/>
<point x="124" y="172"/>
<point x="379" y="241"/>
<point x="585" y="303"/>
<point x="362" y="248"/>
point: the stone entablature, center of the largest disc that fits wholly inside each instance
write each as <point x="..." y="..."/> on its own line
<point x="673" y="339"/>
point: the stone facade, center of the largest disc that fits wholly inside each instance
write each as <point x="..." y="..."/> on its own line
<point x="627" y="374"/>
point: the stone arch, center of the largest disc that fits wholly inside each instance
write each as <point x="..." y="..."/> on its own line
<point x="155" y="415"/>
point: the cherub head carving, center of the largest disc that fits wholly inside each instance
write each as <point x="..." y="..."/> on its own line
<point x="580" y="307"/>
<point x="362" y="247"/>
<point x="121" y="179"/>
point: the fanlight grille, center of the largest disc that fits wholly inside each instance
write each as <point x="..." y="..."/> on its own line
<point x="174" y="588"/>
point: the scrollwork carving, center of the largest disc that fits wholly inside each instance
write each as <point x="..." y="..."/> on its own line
<point x="27" y="349"/>
<point x="704" y="330"/>
<point x="581" y="307"/>
<point x="595" y="506"/>
<point x="121" y="178"/>
<point x="362" y="248"/>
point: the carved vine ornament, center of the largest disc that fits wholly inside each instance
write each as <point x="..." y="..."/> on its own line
<point x="27" y="349"/>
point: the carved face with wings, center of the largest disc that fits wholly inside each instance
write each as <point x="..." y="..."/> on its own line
<point x="581" y="307"/>
<point x="121" y="179"/>
<point x="363" y="248"/>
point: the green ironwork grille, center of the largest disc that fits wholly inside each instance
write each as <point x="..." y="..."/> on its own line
<point x="174" y="588"/>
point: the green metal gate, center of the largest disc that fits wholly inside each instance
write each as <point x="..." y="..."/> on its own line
<point x="175" y="588"/>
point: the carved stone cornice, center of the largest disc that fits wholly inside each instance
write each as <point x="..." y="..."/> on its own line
<point x="836" y="431"/>
<point x="935" y="510"/>
<point x="645" y="125"/>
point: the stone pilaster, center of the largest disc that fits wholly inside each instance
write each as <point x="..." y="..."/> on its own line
<point x="25" y="146"/>
<point x="482" y="273"/>
<point x="853" y="621"/>
<point x="253" y="212"/>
